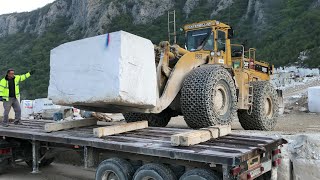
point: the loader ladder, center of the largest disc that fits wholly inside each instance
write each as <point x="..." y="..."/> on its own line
<point x="172" y="22"/>
<point x="250" y="99"/>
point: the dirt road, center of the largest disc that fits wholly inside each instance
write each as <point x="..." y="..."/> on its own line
<point x="53" y="172"/>
<point x="289" y="123"/>
<point x="301" y="88"/>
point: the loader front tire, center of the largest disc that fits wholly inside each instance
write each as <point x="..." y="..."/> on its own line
<point x="208" y="97"/>
<point x="155" y="120"/>
<point x="265" y="108"/>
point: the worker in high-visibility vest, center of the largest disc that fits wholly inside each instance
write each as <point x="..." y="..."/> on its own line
<point x="10" y="93"/>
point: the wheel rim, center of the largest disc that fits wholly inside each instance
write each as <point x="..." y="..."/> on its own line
<point x="268" y="107"/>
<point x="221" y="102"/>
<point x="110" y="175"/>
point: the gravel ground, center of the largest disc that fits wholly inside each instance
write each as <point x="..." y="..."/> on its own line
<point x="288" y="123"/>
<point x="53" y="172"/>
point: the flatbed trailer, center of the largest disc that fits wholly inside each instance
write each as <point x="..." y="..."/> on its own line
<point x="144" y="151"/>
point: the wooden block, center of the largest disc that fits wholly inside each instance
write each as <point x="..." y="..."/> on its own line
<point x="193" y="137"/>
<point x="197" y="136"/>
<point x="213" y="132"/>
<point x="223" y="129"/>
<point x="102" y="116"/>
<point x="121" y="128"/>
<point x="103" y="123"/>
<point x="62" y="125"/>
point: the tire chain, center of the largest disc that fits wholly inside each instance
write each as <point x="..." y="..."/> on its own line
<point x="154" y="120"/>
<point x="257" y="120"/>
<point x="196" y="102"/>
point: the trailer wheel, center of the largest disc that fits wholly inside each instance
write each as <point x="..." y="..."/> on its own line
<point x="155" y="172"/>
<point x="115" y="169"/>
<point x="265" y="108"/>
<point x="208" y="97"/>
<point x="155" y="120"/>
<point x="200" y="174"/>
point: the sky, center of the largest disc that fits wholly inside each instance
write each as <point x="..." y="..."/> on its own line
<point x="10" y="6"/>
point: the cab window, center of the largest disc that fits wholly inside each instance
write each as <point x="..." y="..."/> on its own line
<point x="221" y="41"/>
<point x="209" y="43"/>
<point x="197" y="38"/>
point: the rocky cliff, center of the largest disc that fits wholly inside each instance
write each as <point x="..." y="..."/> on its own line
<point x="281" y="30"/>
<point x="93" y="16"/>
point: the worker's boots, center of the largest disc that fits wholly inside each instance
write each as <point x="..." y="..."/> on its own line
<point x="18" y="123"/>
<point x="5" y="124"/>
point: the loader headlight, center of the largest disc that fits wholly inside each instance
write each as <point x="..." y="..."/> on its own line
<point x="218" y="54"/>
<point x="212" y="53"/>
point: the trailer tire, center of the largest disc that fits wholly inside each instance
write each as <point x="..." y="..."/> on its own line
<point x="208" y="97"/>
<point x="154" y="171"/>
<point x="200" y="174"/>
<point x="155" y="120"/>
<point x="265" y="108"/>
<point x="114" y="167"/>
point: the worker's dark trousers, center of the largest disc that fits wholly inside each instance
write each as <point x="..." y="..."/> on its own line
<point x="13" y="102"/>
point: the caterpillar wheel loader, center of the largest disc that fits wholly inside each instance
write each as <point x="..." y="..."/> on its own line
<point x="211" y="81"/>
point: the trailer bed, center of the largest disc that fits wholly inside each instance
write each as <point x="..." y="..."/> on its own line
<point x="152" y="141"/>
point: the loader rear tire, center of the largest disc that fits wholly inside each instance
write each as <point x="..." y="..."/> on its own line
<point x="155" y="120"/>
<point x="265" y="108"/>
<point x="208" y="97"/>
<point x="134" y="117"/>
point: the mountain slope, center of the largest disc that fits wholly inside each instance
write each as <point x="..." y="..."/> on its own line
<point x="283" y="31"/>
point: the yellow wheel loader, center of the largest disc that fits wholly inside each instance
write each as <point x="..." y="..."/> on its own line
<point x="211" y="81"/>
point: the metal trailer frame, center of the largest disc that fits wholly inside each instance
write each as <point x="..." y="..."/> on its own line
<point x="149" y="144"/>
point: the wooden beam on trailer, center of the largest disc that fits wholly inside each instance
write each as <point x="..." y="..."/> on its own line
<point x="62" y="125"/>
<point x="121" y="128"/>
<point x="103" y="123"/>
<point x="198" y="136"/>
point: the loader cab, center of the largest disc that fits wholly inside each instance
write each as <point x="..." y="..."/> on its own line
<point x="200" y="39"/>
<point x="212" y="36"/>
